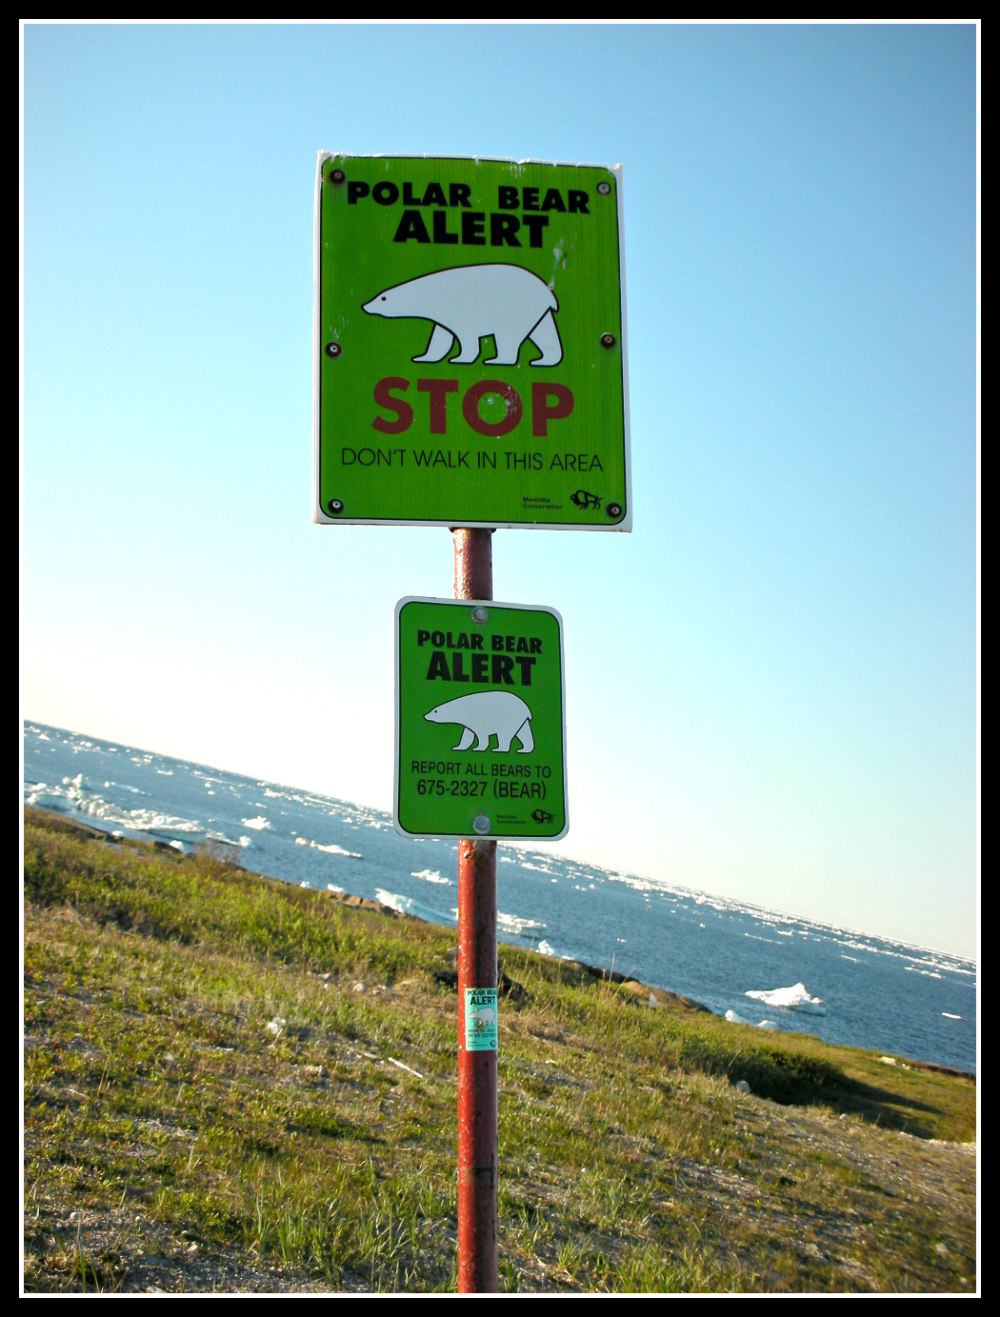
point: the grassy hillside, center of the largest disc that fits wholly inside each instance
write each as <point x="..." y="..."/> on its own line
<point x="234" y="1084"/>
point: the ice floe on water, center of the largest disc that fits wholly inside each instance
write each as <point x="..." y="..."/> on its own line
<point x="76" y="795"/>
<point x="431" y="876"/>
<point x="517" y="925"/>
<point x="258" y="824"/>
<point x="733" y="1018"/>
<point x="166" y="827"/>
<point x="331" y="849"/>
<point x="406" y="905"/>
<point x="70" y="794"/>
<point x="43" y="798"/>
<point x="795" y="998"/>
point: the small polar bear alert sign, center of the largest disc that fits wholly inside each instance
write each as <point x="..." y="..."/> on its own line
<point x="480" y="735"/>
<point x="480" y="1019"/>
<point x="470" y="344"/>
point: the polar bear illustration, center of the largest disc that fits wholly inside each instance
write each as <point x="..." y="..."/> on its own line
<point x="484" y="714"/>
<point x="484" y="1016"/>
<point x="470" y="302"/>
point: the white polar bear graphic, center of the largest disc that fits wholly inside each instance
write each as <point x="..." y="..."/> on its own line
<point x="485" y="714"/>
<point x="470" y="302"/>
<point x="484" y="1017"/>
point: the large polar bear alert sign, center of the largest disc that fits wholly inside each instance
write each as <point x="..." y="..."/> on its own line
<point x="469" y="344"/>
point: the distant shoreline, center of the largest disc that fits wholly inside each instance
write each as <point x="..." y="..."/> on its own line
<point x="649" y="993"/>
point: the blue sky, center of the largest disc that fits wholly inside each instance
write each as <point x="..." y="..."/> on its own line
<point x="772" y="682"/>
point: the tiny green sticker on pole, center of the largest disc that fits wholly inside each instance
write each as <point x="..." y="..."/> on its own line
<point x="480" y="741"/>
<point x="480" y="1019"/>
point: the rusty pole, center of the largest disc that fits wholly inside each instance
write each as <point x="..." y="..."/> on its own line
<point x="477" y="968"/>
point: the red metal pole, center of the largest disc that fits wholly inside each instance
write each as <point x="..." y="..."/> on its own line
<point x="477" y="968"/>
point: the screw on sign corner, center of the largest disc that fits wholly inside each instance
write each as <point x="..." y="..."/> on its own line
<point x="613" y="510"/>
<point x="336" y="176"/>
<point x="333" y="348"/>
<point x="335" y="505"/>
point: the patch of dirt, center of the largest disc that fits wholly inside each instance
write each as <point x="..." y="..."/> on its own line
<point x="118" y="1251"/>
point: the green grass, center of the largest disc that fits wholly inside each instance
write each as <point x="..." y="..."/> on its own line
<point x="215" y="1099"/>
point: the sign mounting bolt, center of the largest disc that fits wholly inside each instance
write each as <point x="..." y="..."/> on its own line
<point x="480" y="824"/>
<point x="338" y="176"/>
<point x="333" y="349"/>
<point x="607" y="340"/>
<point x="604" y="188"/>
<point x="335" y="505"/>
<point x="480" y="614"/>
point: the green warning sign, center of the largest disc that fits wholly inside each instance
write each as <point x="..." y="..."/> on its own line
<point x="480" y="1019"/>
<point x="470" y="343"/>
<point x="480" y="744"/>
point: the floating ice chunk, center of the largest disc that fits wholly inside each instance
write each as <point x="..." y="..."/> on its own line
<point x="49" y="800"/>
<point x="431" y="876"/>
<point x="795" y="998"/>
<point x="517" y="924"/>
<point x="768" y="1024"/>
<point x="733" y="1018"/>
<point x="166" y="826"/>
<point x="258" y="824"/>
<point x="408" y="906"/>
<point x="332" y="849"/>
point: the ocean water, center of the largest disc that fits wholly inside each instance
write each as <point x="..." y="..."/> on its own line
<point x="765" y="967"/>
